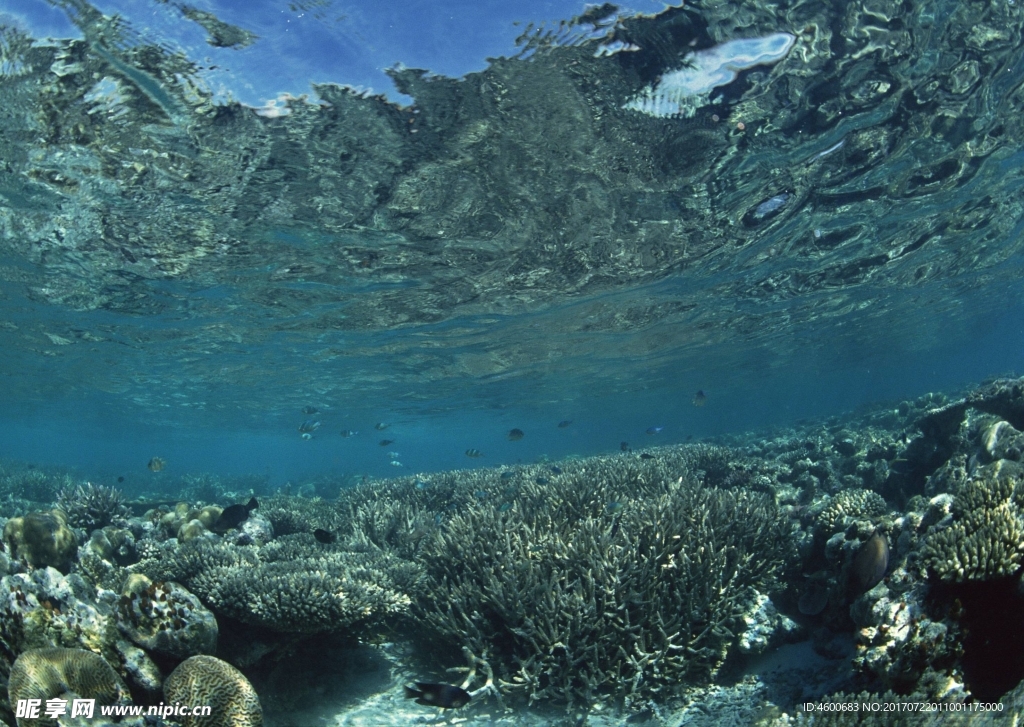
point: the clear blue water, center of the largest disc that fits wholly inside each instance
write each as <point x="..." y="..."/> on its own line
<point x="209" y="367"/>
<point x="428" y="224"/>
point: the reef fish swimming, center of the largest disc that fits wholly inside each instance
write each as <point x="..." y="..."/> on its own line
<point x="156" y="464"/>
<point x="700" y="398"/>
<point x="515" y="435"/>
<point x="564" y="423"/>
<point x="445" y="696"/>
<point x="654" y="430"/>
<point x="474" y="453"/>
<point x="234" y="515"/>
<point x="870" y="563"/>
<point x="324" y="536"/>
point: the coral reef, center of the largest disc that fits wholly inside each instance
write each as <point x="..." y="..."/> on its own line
<point x="291" y="585"/>
<point x="33" y="484"/>
<point x="166" y="618"/>
<point x="57" y="672"/>
<point x="985" y="539"/>
<point x="848" y="505"/>
<point x="41" y="539"/>
<point x="92" y="506"/>
<point x="208" y="680"/>
<point x="566" y="600"/>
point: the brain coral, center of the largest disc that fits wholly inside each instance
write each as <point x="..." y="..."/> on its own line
<point x="206" y="680"/>
<point x="42" y="539"/>
<point x="51" y="672"/>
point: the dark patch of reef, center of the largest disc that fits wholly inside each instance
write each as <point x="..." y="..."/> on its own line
<point x="615" y="581"/>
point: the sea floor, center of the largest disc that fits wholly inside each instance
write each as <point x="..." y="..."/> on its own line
<point x="365" y="690"/>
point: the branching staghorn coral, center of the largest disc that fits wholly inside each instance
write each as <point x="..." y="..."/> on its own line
<point x="568" y="601"/>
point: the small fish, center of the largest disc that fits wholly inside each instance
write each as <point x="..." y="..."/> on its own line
<point x="700" y="398"/>
<point x="309" y="426"/>
<point x="900" y="466"/>
<point x="394" y="455"/>
<point x="396" y="463"/>
<point x="324" y="536"/>
<point x="121" y="478"/>
<point x="421" y="485"/>
<point x="624" y="446"/>
<point x="306" y="435"/>
<point x="515" y="435"/>
<point x="645" y="455"/>
<point x="156" y="464"/>
<point x="505" y="507"/>
<point x="556" y="469"/>
<point x="234" y="515"/>
<point x="508" y="475"/>
<point x="348" y="433"/>
<point x="542" y="480"/>
<point x="386" y="442"/>
<point x="564" y="423"/>
<point x="445" y="696"/>
<point x="615" y="526"/>
<point x="614" y="506"/>
<point x="654" y="430"/>
<point x="381" y="426"/>
<point x="309" y="410"/>
<point x="480" y="494"/>
<point x="474" y="453"/>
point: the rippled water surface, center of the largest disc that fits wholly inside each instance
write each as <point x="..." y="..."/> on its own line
<point x="835" y="219"/>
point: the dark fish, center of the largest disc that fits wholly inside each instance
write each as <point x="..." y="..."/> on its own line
<point x="473" y="453"/>
<point x="156" y="464"/>
<point x="542" y="480"/>
<point x="349" y="433"/>
<point x="234" y="515"/>
<point x="309" y="426"/>
<point x="480" y="494"/>
<point x="870" y="563"/>
<point x="700" y="398"/>
<point x="813" y="600"/>
<point x="615" y="527"/>
<point x="445" y="696"/>
<point x="324" y="536"/>
<point x="645" y="455"/>
<point x="310" y="410"/>
<point x="386" y="442"/>
<point x="508" y="475"/>
<point x="121" y="478"/>
<point x="505" y="507"/>
<point x="564" y="423"/>
<point x="654" y="430"/>
<point x="556" y="469"/>
<point x="624" y="446"/>
<point x="381" y="426"/>
<point x="515" y="435"/>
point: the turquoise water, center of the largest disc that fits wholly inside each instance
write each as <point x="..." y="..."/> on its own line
<point x="799" y="210"/>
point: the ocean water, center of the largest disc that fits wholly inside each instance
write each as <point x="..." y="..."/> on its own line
<point x="673" y="246"/>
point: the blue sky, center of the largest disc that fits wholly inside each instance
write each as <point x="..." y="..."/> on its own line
<point x="319" y="41"/>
